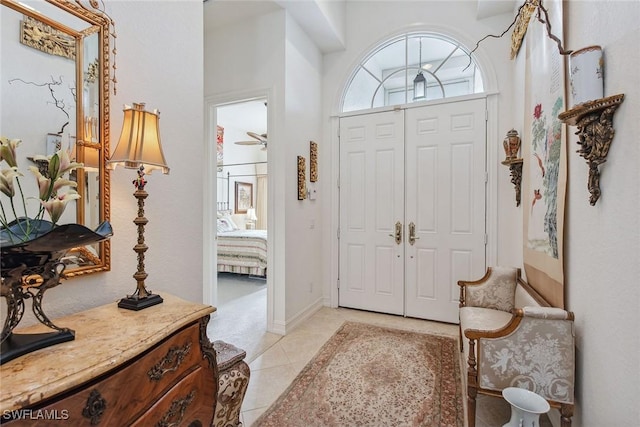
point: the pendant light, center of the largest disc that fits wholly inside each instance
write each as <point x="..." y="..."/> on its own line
<point x="419" y="83"/>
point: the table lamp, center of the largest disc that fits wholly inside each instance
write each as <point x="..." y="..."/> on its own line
<point x="139" y="148"/>
<point x="251" y="219"/>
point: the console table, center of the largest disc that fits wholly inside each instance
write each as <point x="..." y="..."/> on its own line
<point x="150" y="367"/>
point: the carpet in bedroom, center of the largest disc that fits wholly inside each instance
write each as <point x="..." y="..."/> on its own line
<point x="241" y="316"/>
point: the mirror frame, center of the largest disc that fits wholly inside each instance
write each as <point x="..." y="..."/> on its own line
<point x="97" y="22"/>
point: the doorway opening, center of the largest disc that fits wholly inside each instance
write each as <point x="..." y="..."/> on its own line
<point x="241" y="187"/>
<point x="413" y="177"/>
<point x="412" y="207"/>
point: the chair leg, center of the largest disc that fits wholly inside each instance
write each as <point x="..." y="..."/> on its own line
<point x="471" y="406"/>
<point x="566" y="412"/>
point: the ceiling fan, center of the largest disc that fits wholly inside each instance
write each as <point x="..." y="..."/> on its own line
<point x="257" y="140"/>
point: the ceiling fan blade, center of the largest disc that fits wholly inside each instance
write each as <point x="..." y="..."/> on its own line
<point x="261" y="138"/>
<point x="248" y="142"/>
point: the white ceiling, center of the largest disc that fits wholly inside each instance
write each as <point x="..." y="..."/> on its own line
<point x="310" y="15"/>
<point x="249" y="116"/>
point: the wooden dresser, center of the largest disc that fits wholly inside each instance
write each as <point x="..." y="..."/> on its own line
<point x="154" y="367"/>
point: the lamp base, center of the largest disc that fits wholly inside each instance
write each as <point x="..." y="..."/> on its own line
<point x="20" y="344"/>
<point x="132" y="302"/>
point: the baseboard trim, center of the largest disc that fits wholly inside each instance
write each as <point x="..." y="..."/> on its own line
<point x="303" y="315"/>
<point x="278" y="328"/>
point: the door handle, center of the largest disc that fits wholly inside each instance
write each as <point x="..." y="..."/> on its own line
<point x="412" y="234"/>
<point x="398" y="234"/>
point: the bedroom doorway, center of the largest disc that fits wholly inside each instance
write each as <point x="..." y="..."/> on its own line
<point x="241" y="204"/>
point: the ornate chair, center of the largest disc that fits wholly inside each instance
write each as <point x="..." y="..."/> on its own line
<point x="531" y="347"/>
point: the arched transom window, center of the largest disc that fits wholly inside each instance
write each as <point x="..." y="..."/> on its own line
<point x="409" y="68"/>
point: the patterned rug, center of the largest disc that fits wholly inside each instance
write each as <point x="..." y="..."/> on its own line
<point x="367" y="375"/>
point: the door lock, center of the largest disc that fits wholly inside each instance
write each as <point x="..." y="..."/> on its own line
<point x="398" y="234"/>
<point x="412" y="234"/>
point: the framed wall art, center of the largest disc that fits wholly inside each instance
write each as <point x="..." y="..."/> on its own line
<point x="54" y="143"/>
<point x="220" y="145"/>
<point x="313" y="161"/>
<point x="302" y="178"/>
<point x="243" y="197"/>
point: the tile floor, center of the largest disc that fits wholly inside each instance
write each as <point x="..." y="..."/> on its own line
<point x="275" y="360"/>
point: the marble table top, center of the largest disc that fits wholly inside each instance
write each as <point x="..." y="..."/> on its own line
<point x="105" y="337"/>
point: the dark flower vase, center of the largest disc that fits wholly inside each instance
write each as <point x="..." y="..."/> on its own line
<point x="31" y="267"/>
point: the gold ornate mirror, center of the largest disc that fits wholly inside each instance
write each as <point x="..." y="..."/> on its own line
<point x="55" y="80"/>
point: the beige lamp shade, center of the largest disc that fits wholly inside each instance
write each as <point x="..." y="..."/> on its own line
<point x="90" y="159"/>
<point x="139" y="143"/>
<point x="251" y="214"/>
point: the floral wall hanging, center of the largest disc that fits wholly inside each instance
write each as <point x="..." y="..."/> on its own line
<point x="544" y="154"/>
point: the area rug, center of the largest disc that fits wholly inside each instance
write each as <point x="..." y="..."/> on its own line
<point x="367" y="375"/>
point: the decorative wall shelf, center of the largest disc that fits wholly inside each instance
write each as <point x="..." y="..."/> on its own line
<point x="515" y="166"/>
<point x="594" y="120"/>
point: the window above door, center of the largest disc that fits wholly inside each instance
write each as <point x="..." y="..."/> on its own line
<point x="386" y="75"/>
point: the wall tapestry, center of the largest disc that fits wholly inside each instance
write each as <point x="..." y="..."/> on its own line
<point x="219" y="144"/>
<point x="545" y="164"/>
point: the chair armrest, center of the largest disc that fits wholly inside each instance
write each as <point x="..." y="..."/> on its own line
<point x="496" y="289"/>
<point x="536" y="350"/>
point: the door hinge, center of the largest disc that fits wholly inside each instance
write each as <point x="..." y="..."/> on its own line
<point x="486" y="115"/>
<point x="338" y="182"/>
<point x="486" y="239"/>
<point x="338" y="281"/>
<point x="338" y="233"/>
<point x="486" y="177"/>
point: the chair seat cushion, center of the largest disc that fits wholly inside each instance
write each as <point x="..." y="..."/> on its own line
<point x="485" y="319"/>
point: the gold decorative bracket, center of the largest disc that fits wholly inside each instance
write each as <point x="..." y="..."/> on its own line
<point x="594" y="120"/>
<point x="515" y="166"/>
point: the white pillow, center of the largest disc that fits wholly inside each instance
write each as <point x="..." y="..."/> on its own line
<point x="223" y="225"/>
<point x="231" y="222"/>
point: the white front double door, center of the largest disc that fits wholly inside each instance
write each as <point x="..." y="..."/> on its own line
<point x="412" y="208"/>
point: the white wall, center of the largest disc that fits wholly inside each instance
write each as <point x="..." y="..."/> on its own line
<point x="240" y="61"/>
<point x="602" y="242"/>
<point x="271" y="53"/>
<point x="303" y="96"/>
<point x="159" y="62"/>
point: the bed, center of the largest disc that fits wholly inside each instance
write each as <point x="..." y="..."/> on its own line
<point x="243" y="252"/>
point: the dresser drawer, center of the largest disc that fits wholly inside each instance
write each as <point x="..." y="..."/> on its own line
<point x="188" y="403"/>
<point x="126" y="393"/>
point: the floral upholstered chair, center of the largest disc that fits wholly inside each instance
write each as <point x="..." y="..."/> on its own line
<point x="532" y="347"/>
<point x="489" y="300"/>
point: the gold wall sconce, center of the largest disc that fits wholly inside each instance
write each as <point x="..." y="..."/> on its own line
<point x="594" y="120"/>
<point x="511" y="146"/>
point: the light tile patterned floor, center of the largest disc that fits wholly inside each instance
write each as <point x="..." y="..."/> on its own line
<point x="275" y="360"/>
<point x="275" y="369"/>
